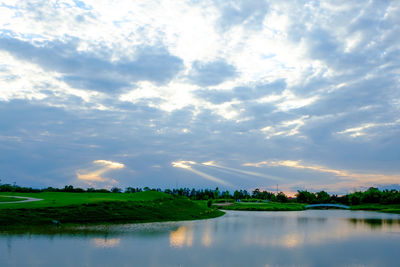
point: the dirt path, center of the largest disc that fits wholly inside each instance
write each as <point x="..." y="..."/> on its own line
<point x="27" y="199"/>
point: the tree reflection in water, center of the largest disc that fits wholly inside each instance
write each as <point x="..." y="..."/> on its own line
<point x="376" y="223"/>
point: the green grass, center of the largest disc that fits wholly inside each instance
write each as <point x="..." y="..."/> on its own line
<point x="58" y="199"/>
<point x="272" y="206"/>
<point x="80" y="208"/>
<point x="9" y="199"/>
<point x="394" y="208"/>
<point x="223" y="200"/>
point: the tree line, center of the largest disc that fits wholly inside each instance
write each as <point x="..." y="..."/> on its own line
<point x="372" y="195"/>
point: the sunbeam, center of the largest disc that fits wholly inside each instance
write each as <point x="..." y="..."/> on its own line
<point x="210" y="177"/>
<point x="187" y="165"/>
<point x="233" y="170"/>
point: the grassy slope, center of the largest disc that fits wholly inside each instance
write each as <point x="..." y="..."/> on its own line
<point x="9" y="199"/>
<point x="265" y="206"/>
<point x="378" y="207"/>
<point x="99" y="208"/>
<point x="58" y="199"/>
<point x="299" y="206"/>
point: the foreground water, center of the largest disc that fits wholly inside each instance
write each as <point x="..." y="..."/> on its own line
<point x="240" y="238"/>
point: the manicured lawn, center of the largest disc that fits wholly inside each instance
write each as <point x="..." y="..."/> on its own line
<point x="80" y="208"/>
<point x="9" y="199"/>
<point x="58" y="199"/>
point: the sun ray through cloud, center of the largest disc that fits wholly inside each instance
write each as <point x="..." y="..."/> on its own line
<point x="235" y="170"/>
<point x="348" y="178"/>
<point x="187" y="165"/>
<point x="95" y="173"/>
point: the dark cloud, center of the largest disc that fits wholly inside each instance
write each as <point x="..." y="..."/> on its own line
<point x="247" y="13"/>
<point x="259" y="90"/>
<point x="51" y="144"/>
<point x="96" y="72"/>
<point x="375" y="92"/>
<point x="216" y="96"/>
<point x="211" y="73"/>
<point x="242" y="93"/>
<point x="44" y="145"/>
<point x="369" y="26"/>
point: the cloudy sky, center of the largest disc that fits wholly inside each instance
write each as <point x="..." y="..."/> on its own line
<point x="234" y="94"/>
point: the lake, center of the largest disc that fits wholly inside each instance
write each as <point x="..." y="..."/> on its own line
<point x="240" y="238"/>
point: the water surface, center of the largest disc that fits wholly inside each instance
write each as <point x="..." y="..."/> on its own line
<point x="240" y="238"/>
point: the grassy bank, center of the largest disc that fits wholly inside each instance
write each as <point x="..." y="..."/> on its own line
<point x="102" y="208"/>
<point x="59" y="199"/>
<point x="272" y="206"/>
<point x="9" y="199"/>
<point x="378" y="207"/>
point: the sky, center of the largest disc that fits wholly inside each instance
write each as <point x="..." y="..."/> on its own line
<point x="299" y="95"/>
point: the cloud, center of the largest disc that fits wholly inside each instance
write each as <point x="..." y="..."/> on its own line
<point x="211" y="73"/>
<point x="239" y="171"/>
<point x="109" y="164"/>
<point x="233" y="81"/>
<point x="93" y="175"/>
<point x="369" y="129"/>
<point x="92" y="71"/>
<point x="185" y="164"/>
<point x="286" y="128"/>
<point x="254" y="92"/>
<point x="349" y="179"/>
<point x="248" y="13"/>
<point x="188" y="165"/>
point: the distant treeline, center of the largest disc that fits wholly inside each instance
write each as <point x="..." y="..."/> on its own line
<point x="372" y="195"/>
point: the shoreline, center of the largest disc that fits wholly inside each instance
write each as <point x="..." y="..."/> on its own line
<point x="275" y="206"/>
<point x="144" y="207"/>
<point x="150" y="206"/>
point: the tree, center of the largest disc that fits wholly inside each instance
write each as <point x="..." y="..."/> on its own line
<point x="305" y="197"/>
<point x="130" y="190"/>
<point x="168" y="191"/>
<point x="236" y="195"/>
<point x="323" y="197"/>
<point x="68" y="188"/>
<point x="245" y="194"/>
<point x="372" y="195"/>
<point x="281" y="197"/>
<point x="354" y="198"/>
<point x="256" y="193"/>
<point x="116" y="190"/>
<point x="193" y="194"/>
<point x="216" y="193"/>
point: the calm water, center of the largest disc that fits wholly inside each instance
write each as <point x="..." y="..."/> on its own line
<point x="240" y="238"/>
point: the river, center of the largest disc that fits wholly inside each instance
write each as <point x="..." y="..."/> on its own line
<point x="239" y="238"/>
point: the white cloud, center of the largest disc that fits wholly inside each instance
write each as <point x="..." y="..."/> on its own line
<point x="348" y="179"/>
<point x="24" y="80"/>
<point x="286" y="128"/>
<point x="94" y="175"/>
<point x="367" y="129"/>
